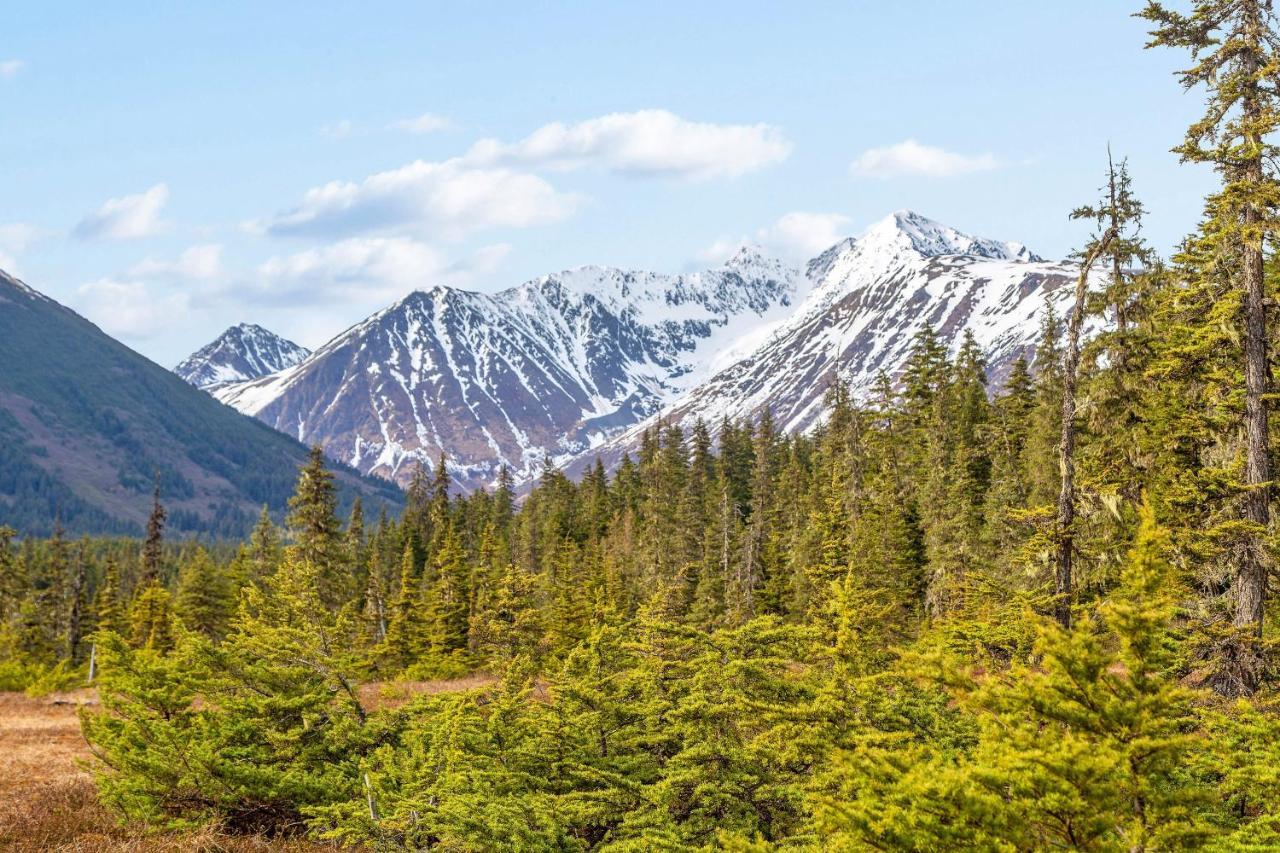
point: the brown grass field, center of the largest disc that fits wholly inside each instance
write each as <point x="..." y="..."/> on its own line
<point x="48" y="801"/>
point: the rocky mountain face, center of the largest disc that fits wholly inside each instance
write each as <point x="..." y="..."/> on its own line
<point x="552" y="367"/>
<point x="574" y="365"/>
<point x="242" y="352"/>
<point x="867" y="299"/>
<point x="87" y="425"/>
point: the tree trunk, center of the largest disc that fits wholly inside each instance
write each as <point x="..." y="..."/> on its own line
<point x="1067" y="447"/>
<point x="1251" y="572"/>
<point x="1251" y="576"/>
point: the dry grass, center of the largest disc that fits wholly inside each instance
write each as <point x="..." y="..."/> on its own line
<point x="48" y="801"/>
<point x="393" y="694"/>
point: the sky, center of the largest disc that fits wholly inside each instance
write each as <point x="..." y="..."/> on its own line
<point x="168" y="170"/>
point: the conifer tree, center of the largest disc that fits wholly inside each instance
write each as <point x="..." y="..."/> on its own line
<point x="1062" y="576"/>
<point x="445" y="599"/>
<point x="316" y="533"/>
<point x="151" y="548"/>
<point x="264" y="547"/>
<point x="1115" y="360"/>
<point x="204" y="600"/>
<point x="13" y="585"/>
<point x="151" y="619"/>
<point x="78" y="602"/>
<point x="278" y="728"/>
<point x="406" y="638"/>
<point x="1044" y="479"/>
<point x="510" y="632"/>
<point x="1234" y="48"/>
<point x="1087" y="747"/>
<point x="108" y="603"/>
<point x="356" y="556"/>
<point x="1008" y="433"/>
<point x="49" y="584"/>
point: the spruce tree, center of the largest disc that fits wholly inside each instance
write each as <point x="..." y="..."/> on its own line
<point x="151" y="619"/>
<point x="316" y="532"/>
<point x="108" y="603"/>
<point x="1234" y="49"/>
<point x="406" y="632"/>
<point x="1065" y="545"/>
<point x="152" y="546"/>
<point x="204" y="599"/>
<point x="77" y="602"/>
<point x="445" y="599"/>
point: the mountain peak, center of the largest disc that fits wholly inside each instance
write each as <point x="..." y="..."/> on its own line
<point x="747" y="254"/>
<point x="911" y="231"/>
<point x="751" y="262"/>
<point x="244" y="351"/>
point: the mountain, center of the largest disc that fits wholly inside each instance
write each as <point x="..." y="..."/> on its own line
<point x="576" y="364"/>
<point x="867" y="298"/>
<point x="553" y="366"/>
<point x="86" y="424"/>
<point x="241" y="352"/>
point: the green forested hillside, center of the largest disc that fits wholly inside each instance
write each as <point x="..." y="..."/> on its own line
<point x="87" y="425"/>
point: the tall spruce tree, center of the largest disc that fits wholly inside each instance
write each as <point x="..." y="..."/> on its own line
<point x="154" y="543"/>
<point x="1065" y="545"/>
<point x="1235" y="49"/>
<point x="316" y="532"/>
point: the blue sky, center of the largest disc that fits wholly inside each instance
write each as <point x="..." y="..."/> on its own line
<point x="170" y="169"/>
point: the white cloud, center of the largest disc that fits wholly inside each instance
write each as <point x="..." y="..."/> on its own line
<point x="446" y="199"/>
<point x="367" y="270"/>
<point x="127" y="217"/>
<point x="645" y="143"/>
<point x="9" y="68"/>
<point x="199" y="263"/>
<point x="130" y="309"/>
<point x="423" y="124"/>
<point x="485" y="260"/>
<point x="315" y="293"/>
<point x="912" y="158"/>
<point x="337" y="130"/>
<point x="17" y="236"/>
<point x="804" y="235"/>
<point x="361" y="266"/>
<point x="795" y="237"/>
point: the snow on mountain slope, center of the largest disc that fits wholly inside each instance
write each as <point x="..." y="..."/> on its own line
<point x="867" y="298"/>
<point x="554" y="366"/>
<point x="241" y="352"/>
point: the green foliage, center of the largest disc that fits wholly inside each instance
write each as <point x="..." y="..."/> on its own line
<point x="248" y="733"/>
<point x="204" y="602"/>
<point x="151" y="619"/>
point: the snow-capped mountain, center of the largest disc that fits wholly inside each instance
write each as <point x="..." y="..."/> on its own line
<point x="241" y="352"/>
<point x="867" y="298"/>
<point x="575" y="364"/>
<point x="552" y="367"/>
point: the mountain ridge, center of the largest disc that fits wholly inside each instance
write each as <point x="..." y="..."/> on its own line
<point x="87" y="425"/>
<point x="552" y="365"/>
<point x="614" y="349"/>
